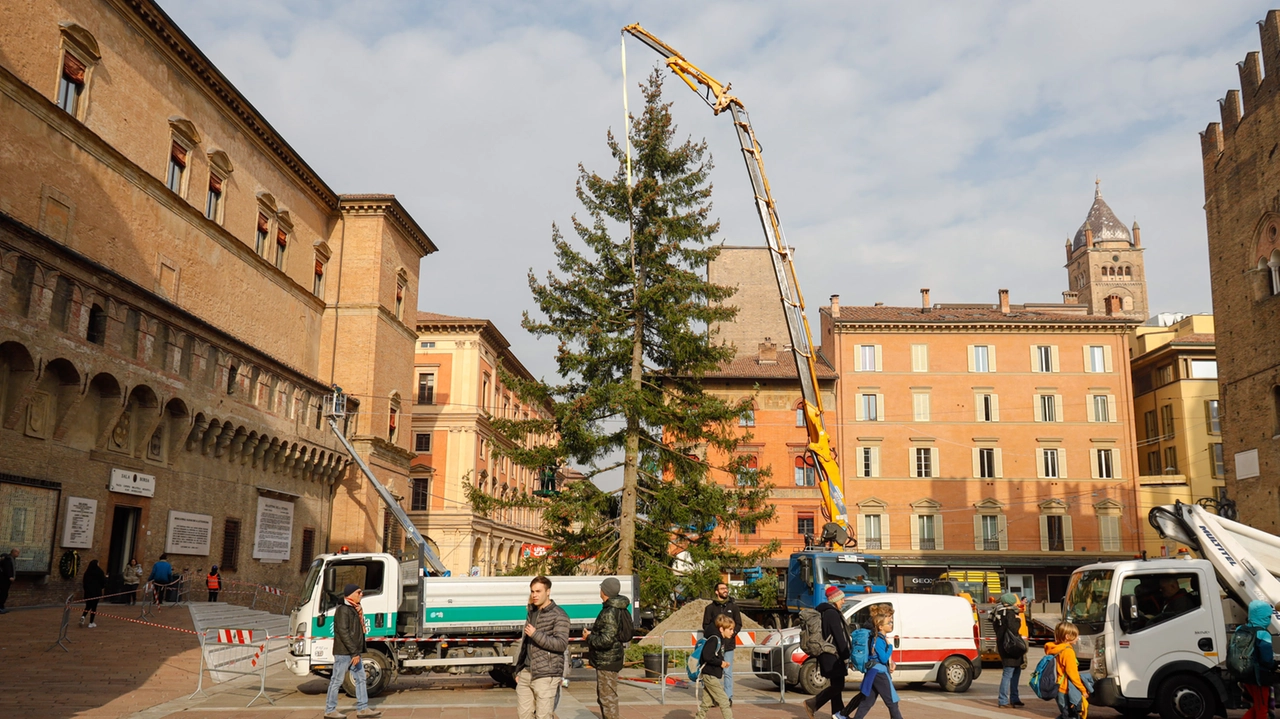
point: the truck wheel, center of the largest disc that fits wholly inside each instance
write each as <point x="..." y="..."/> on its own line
<point x="955" y="675"/>
<point x="1186" y="696"/>
<point x="811" y="679"/>
<point x="377" y="675"/>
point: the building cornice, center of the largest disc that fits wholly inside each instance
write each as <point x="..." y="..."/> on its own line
<point x="390" y="207"/>
<point x="1117" y="328"/>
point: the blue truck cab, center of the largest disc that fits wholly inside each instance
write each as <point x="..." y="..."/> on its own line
<point x="811" y="571"/>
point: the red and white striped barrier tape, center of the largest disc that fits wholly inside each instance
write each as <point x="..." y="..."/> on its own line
<point x="234" y="636"/>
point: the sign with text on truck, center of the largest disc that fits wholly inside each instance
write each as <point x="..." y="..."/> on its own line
<point x="460" y="625"/>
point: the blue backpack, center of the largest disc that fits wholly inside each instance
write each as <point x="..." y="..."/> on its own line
<point x="860" y="648"/>
<point x="693" y="665"/>
<point x="1044" y="680"/>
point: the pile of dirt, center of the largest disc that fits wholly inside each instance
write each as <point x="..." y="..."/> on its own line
<point x="687" y="617"/>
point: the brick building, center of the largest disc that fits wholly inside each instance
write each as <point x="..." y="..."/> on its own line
<point x="458" y="394"/>
<point x="179" y="290"/>
<point x="1242" y="212"/>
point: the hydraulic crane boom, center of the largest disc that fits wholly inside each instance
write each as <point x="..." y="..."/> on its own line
<point x="718" y="99"/>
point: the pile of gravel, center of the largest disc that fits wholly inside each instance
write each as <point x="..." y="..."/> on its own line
<point x="687" y="617"/>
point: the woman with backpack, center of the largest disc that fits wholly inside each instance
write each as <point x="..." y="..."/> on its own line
<point x="831" y="664"/>
<point x="876" y="681"/>
<point x="1012" y="648"/>
<point x="1073" y="689"/>
<point x="1257" y="679"/>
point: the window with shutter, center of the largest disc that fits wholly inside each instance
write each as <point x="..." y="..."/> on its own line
<point x="230" y="545"/>
<point x="308" y="549"/>
<point x="919" y="358"/>
<point x="71" y="83"/>
<point x="177" y="166"/>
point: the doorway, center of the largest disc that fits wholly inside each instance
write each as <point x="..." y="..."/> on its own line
<point x="124" y="535"/>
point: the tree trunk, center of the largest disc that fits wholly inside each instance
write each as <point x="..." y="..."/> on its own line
<point x="631" y="464"/>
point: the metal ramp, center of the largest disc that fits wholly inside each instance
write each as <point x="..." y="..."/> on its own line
<point x="220" y="615"/>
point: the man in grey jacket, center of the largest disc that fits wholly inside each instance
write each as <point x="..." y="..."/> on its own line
<point x="540" y="666"/>
<point x="348" y="645"/>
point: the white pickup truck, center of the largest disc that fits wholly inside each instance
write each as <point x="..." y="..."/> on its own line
<point x="1154" y="632"/>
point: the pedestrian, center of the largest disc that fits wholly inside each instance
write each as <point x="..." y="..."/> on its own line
<point x="1258" y="685"/>
<point x="1073" y="688"/>
<point x="8" y="573"/>
<point x="1012" y="649"/>
<point x="94" y="580"/>
<point x="540" y="664"/>
<point x="607" y="640"/>
<point x="722" y="603"/>
<point x="832" y="665"/>
<point x="132" y="578"/>
<point x="160" y="577"/>
<point x="714" y="663"/>
<point x="348" y="645"/>
<point x="876" y="681"/>
<point x="213" y="581"/>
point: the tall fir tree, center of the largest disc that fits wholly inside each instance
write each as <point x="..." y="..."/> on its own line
<point x="630" y="308"/>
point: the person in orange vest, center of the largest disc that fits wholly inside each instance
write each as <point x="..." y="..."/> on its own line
<point x="213" y="581"/>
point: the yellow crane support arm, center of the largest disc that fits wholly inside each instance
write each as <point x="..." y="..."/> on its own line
<point x="717" y="97"/>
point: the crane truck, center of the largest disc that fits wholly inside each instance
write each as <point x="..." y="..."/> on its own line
<point x="1154" y="632"/>
<point x="416" y="617"/>
<point x="833" y="563"/>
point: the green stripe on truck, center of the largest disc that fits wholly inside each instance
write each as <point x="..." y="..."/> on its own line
<point x="472" y="615"/>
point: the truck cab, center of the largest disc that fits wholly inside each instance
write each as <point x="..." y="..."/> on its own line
<point x="377" y="574"/>
<point x="1154" y="634"/>
<point x="852" y="573"/>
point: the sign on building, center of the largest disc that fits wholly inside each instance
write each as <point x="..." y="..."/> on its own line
<point x="188" y="533"/>
<point x="128" y="482"/>
<point x="274" y="533"/>
<point x="77" y="531"/>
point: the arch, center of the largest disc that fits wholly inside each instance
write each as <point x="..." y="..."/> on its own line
<point x="185" y="129"/>
<point x="56" y="392"/>
<point x="477" y="555"/>
<point x="100" y="406"/>
<point x="60" y="303"/>
<point x="267" y="200"/>
<point x="219" y="160"/>
<point x="97" y="328"/>
<point x="17" y="370"/>
<point x="21" y="284"/>
<point x="82" y="39"/>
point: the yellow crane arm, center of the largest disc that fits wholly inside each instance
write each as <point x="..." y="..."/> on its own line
<point x="717" y="97"/>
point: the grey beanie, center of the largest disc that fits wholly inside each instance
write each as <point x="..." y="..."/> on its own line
<point x="349" y="590"/>
<point x="611" y="586"/>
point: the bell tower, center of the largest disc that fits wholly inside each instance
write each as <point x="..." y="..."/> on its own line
<point x="1104" y="263"/>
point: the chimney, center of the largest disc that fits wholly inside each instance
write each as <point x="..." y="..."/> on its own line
<point x="1070" y="298"/>
<point x="768" y="352"/>
<point x="835" y="307"/>
<point x="1088" y="237"/>
<point x="1068" y="249"/>
<point x="1137" y="234"/>
<point x="924" y="299"/>
<point x="1004" y="301"/>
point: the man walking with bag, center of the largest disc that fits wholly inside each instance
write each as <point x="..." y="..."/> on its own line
<point x="608" y="639"/>
<point x="722" y="603"/>
<point x="1012" y="648"/>
<point x="540" y="666"/>
<point x="348" y="645"/>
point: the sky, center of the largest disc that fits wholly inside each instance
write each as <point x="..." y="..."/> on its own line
<point x="909" y="144"/>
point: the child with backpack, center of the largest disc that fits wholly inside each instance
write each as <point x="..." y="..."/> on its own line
<point x="1255" y="671"/>
<point x="876" y="681"/>
<point x="1073" y="689"/>
<point x="712" y="668"/>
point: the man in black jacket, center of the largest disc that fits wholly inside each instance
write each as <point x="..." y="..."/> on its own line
<point x="540" y="665"/>
<point x="348" y="645"/>
<point x="608" y="641"/>
<point x="8" y="572"/>
<point x="832" y="665"/>
<point x="722" y="603"/>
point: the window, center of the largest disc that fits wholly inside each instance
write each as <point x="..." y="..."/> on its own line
<point x="868" y="461"/>
<point x="71" y="83"/>
<point x="1153" y="428"/>
<point x="800" y="416"/>
<point x="1109" y="532"/>
<point x="427" y="345"/>
<point x="986" y="462"/>
<point x="868" y="358"/>
<point x="920" y="407"/>
<point x="923" y="461"/>
<point x="308" y="549"/>
<point x="749" y="473"/>
<point x="392" y="419"/>
<point x="60" y="305"/>
<point x="926" y="532"/>
<point x="1096" y="359"/>
<point x="871" y="531"/>
<point x="260" y="237"/>
<point x="400" y="300"/>
<point x="1215" y="458"/>
<point x="1047" y="408"/>
<point x="421" y="499"/>
<point x="282" y="244"/>
<point x="422" y="442"/>
<point x="806" y="475"/>
<point x="177" y="167"/>
<point x="1054" y="532"/>
<point x="1170" y="460"/>
<point x="427" y="388"/>
<point x="97" y="325"/>
<point x="870" y="409"/>
<point x="1204" y="369"/>
<point x="1106" y="467"/>
<point x="1101" y="408"/>
<point x="1213" y="416"/>
<point x="988" y="408"/>
<point x="317" y="284"/>
<point x="230" y="545"/>
<point x="981" y="359"/>
<point x="747" y="528"/>
<point x="213" y="203"/>
<point x="804" y="524"/>
<point x="1049" y="463"/>
<point x="1154" y="467"/>
<point x="919" y="358"/>
<point x="1161" y="597"/>
<point x="747" y="418"/>
<point x="1166" y="421"/>
<point x="990" y="532"/>
<point x="1164" y="375"/>
<point x="1044" y="358"/>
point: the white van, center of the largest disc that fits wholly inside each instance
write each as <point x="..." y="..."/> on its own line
<point x="935" y="639"/>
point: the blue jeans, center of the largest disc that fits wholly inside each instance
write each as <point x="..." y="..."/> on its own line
<point x="1069" y="701"/>
<point x="1009" y="681"/>
<point x="341" y="665"/>
<point x="728" y="671"/>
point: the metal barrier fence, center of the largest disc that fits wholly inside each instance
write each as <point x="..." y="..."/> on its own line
<point x="233" y="637"/>
<point x="751" y="640"/>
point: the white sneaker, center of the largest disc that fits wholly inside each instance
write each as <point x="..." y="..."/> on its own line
<point x="92" y="625"/>
<point x="82" y="620"/>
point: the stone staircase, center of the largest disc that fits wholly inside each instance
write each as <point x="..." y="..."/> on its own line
<point x="236" y="657"/>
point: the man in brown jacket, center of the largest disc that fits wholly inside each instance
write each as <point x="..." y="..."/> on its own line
<point x="348" y="645"/>
<point x="540" y="665"/>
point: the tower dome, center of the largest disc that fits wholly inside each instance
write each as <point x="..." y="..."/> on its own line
<point x="1104" y="223"/>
